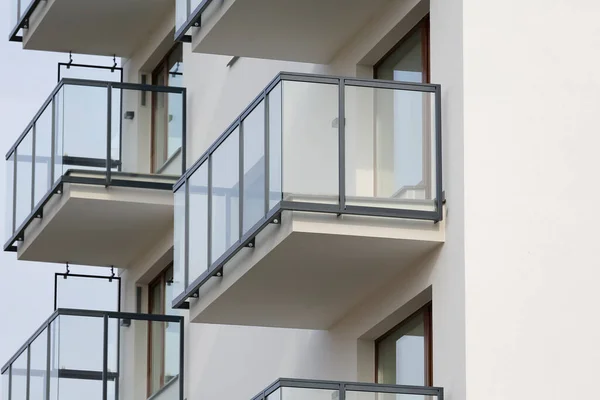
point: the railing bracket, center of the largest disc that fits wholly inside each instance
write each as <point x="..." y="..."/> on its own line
<point x="195" y="294"/>
<point x="251" y="243"/>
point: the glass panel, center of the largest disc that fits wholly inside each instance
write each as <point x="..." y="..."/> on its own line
<point x="14" y="13"/>
<point x="24" y="4"/>
<point x="310" y="142"/>
<point x="19" y="378"/>
<point x="288" y="393"/>
<point x="84" y="115"/>
<point x="106" y="293"/>
<point x="133" y="158"/>
<point x="39" y="356"/>
<point x="54" y="357"/>
<point x="401" y="355"/>
<point x="80" y="344"/>
<point x="171" y="351"/>
<point x="24" y="178"/>
<point x="5" y="378"/>
<point x="43" y="152"/>
<point x="175" y="126"/>
<point x="160" y="121"/>
<point x="385" y="396"/>
<point x="254" y="167"/>
<point x="81" y="389"/>
<point x="58" y="133"/>
<point x="276" y="395"/>
<point x="157" y="338"/>
<point x="179" y="242"/>
<point x="117" y="117"/>
<point x="390" y="159"/>
<point x="225" y="195"/>
<point x="198" y="228"/>
<point x="181" y="13"/>
<point x="9" y="207"/>
<point x="275" y="126"/>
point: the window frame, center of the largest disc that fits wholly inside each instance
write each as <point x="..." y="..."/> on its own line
<point x="161" y="281"/>
<point x="162" y="66"/>
<point x="426" y="312"/>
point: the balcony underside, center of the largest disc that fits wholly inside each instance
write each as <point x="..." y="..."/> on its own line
<point x="306" y="31"/>
<point x="107" y="27"/>
<point x="312" y="269"/>
<point x="95" y="225"/>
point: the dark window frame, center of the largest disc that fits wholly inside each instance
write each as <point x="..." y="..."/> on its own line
<point x="161" y="281"/>
<point x="426" y="311"/>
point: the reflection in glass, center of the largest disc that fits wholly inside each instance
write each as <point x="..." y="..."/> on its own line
<point x="254" y="167"/>
<point x="43" y="153"/>
<point x="310" y="112"/>
<point x="225" y="195"/>
<point x="38" y="367"/>
<point x="389" y="147"/>
<point x="9" y="206"/>
<point x="290" y="393"/>
<point x="385" y="396"/>
<point x="275" y="149"/>
<point x="198" y="227"/>
<point x="401" y="355"/>
<point x="24" y="177"/>
<point x="19" y="377"/>
<point x="179" y="248"/>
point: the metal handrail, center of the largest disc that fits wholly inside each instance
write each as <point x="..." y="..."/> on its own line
<point x="343" y="387"/>
<point x="272" y="214"/>
<point x="193" y="20"/>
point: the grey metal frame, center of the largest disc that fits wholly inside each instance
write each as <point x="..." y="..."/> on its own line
<point x="68" y="275"/>
<point x="23" y="22"/>
<point x="105" y="178"/>
<point x="193" y="20"/>
<point x="103" y="375"/>
<point x="343" y="387"/>
<point x="273" y="214"/>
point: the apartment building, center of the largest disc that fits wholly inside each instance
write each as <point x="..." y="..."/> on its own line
<point x="312" y="200"/>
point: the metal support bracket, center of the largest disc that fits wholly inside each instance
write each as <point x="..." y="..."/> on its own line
<point x="252" y="243"/>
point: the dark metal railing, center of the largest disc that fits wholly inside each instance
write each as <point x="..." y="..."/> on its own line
<point x="194" y="18"/>
<point x="42" y="371"/>
<point x="23" y="13"/>
<point x="328" y="118"/>
<point x="313" y="389"/>
<point x="38" y="160"/>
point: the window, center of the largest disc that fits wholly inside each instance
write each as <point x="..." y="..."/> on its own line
<point x="408" y="61"/>
<point x="403" y="138"/>
<point x="167" y="109"/>
<point x="404" y="354"/>
<point x="163" y="338"/>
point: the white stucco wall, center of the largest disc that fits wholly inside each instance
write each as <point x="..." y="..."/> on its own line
<point x="530" y="150"/>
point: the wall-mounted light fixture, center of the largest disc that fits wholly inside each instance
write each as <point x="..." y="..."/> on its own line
<point x="129" y="115"/>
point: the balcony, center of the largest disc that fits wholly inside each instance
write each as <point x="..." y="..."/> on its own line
<point x="322" y="190"/>
<point x="81" y="354"/>
<point x="79" y="184"/>
<point x="107" y="27"/>
<point x="302" y="389"/>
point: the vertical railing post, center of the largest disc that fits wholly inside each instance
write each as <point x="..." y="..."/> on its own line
<point x="10" y="382"/>
<point x="266" y="155"/>
<point x="14" y="193"/>
<point x="210" y="214"/>
<point x="241" y="181"/>
<point x="105" y="359"/>
<point x="183" y="131"/>
<point x="28" y="380"/>
<point x="181" y="360"/>
<point x="48" y="347"/>
<point x="186" y="234"/>
<point x="108" y="133"/>
<point x="438" y="154"/>
<point x="53" y="140"/>
<point x="342" y="143"/>
<point x="342" y="392"/>
<point x="33" y="139"/>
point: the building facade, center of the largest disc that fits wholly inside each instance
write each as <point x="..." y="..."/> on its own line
<point x="352" y="199"/>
